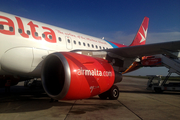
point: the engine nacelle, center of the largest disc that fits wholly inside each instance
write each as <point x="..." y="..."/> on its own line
<point x="71" y="76"/>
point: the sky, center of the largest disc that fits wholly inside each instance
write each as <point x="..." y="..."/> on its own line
<point x="115" y="20"/>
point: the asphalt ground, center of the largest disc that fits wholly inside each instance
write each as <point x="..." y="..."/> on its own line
<point x="134" y="103"/>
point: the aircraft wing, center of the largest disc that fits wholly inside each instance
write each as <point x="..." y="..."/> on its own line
<point x="146" y="50"/>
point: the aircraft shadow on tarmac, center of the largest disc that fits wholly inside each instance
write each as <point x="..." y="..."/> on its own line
<point x="23" y="99"/>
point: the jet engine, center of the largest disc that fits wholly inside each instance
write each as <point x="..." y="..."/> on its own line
<point x="70" y="76"/>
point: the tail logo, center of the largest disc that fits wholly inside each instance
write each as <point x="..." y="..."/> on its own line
<point x="140" y="38"/>
<point x="143" y="38"/>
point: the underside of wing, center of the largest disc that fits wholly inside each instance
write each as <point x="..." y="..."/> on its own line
<point x="145" y="50"/>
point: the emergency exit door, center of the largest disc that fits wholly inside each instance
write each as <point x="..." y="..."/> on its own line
<point x="69" y="43"/>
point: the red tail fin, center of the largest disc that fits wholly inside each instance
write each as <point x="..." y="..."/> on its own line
<point x="140" y="38"/>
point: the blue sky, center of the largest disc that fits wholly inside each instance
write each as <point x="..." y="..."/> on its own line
<point x="116" y="20"/>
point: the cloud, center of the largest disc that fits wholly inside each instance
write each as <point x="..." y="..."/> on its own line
<point x="126" y="39"/>
<point x="120" y="37"/>
<point x="163" y="37"/>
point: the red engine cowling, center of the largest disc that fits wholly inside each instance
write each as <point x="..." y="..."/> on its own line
<point x="71" y="76"/>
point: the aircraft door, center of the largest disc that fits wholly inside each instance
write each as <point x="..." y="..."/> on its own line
<point x="69" y="43"/>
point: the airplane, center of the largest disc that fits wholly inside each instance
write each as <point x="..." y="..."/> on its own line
<point x="71" y="65"/>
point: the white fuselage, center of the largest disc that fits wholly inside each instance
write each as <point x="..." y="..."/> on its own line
<point x="25" y="43"/>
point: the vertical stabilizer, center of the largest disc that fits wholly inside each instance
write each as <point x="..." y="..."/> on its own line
<point x="140" y="38"/>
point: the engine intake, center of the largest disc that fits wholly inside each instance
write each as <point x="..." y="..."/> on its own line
<point x="68" y="75"/>
<point x="56" y="76"/>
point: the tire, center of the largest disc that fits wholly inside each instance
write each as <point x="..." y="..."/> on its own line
<point x="158" y="90"/>
<point x="113" y="93"/>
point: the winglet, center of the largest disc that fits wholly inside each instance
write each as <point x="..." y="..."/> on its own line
<point x="140" y="38"/>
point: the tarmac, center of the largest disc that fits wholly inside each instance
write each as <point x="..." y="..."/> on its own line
<point x="134" y="103"/>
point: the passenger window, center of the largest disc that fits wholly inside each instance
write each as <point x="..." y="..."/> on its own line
<point x="96" y="46"/>
<point x="50" y="37"/>
<point x="92" y="46"/>
<point x="28" y="32"/>
<point x="59" y="38"/>
<point x="20" y="30"/>
<point x="1" y="27"/>
<point x="36" y="34"/>
<point x="84" y="44"/>
<point x="69" y="41"/>
<point x="103" y="47"/>
<point x="79" y="43"/>
<point x="100" y="47"/>
<point x="43" y="35"/>
<point x="88" y="45"/>
<point x="74" y="42"/>
<point x="11" y="29"/>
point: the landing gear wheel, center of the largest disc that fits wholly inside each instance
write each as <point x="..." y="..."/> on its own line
<point x="104" y="95"/>
<point x="158" y="90"/>
<point x="113" y="93"/>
